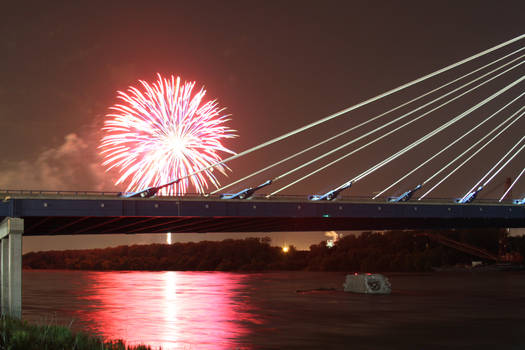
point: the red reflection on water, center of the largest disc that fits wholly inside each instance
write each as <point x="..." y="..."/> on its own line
<point x="168" y="309"/>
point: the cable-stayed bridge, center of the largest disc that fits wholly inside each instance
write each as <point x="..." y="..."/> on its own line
<point x="463" y="126"/>
<point x="92" y="214"/>
<point x="463" y="130"/>
<point x="465" y="123"/>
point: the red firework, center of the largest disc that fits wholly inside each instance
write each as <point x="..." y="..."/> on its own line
<point x="163" y="132"/>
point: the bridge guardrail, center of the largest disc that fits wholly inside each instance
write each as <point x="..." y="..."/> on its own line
<point x="59" y="192"/>
<point x="196" y="196"/>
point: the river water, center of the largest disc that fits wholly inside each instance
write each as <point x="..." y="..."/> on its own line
<point x="218" y="310"/>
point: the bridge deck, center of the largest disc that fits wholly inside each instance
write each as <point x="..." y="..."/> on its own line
<point x="46" y="214"/>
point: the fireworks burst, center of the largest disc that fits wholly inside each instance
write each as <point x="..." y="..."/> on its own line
<point x="164" y="133"/>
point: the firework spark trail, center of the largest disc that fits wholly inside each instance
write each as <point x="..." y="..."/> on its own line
<point x="165" y="132"/>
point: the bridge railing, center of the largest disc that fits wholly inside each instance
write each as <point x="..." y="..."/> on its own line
<point x="196" y="196"/>
<point x="52" y="192"/>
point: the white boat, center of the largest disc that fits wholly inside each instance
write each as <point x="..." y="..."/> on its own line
<point x="368" y="283"/>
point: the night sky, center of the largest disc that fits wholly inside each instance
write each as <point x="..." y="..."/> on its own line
<point x="275" y="65"/>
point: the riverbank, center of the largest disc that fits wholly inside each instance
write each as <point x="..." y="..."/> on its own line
<point x="20" y="335"/>
<point x="394" y="251"/>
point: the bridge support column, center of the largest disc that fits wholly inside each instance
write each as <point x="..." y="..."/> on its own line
<point x="11" y="231"/>
<point x="5" y="275"/>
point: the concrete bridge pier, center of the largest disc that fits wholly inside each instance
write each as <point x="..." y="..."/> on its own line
<point x="11" y="231"/>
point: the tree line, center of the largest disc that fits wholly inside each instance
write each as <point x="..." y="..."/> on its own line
<point x="367" y="252"/>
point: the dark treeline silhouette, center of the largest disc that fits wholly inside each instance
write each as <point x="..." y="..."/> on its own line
<point x="250" y="254"/>
<point x="369" y="251"/>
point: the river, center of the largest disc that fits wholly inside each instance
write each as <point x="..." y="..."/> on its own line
<point x="219" y="310"/>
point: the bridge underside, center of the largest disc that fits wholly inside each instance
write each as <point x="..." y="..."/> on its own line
<point x="135" y="225"/>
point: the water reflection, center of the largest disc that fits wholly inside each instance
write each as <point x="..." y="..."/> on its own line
<point x="168" y="309"/>
<point x="222" y="310"/>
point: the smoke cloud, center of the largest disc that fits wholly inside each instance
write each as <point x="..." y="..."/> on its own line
<point x="73" y="165"/>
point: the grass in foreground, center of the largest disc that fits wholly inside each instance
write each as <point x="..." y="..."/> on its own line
<point x="20" y="335"/>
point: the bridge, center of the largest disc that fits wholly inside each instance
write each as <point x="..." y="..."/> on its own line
<point x="65" y="214"/>
<point x="156" y="210"/>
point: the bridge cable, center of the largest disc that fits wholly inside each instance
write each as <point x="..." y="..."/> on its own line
<point x="406" y="149"/>
<point x="506" y="163"/>
<point x="475" y="144"/>
<point x="491" y="169"/>
<point x="451" y="144"/>
<point x="380" y="116"/>
<point x="495" y="165"/>
<point x="396" y="129"/>
<point x="512" y="185"/>
<point x="346" y="110"/>
<point x="468" y="159"/>
<point x="395" y="120"/>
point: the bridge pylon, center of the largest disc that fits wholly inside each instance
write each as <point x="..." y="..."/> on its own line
<point x="11" y="231"/>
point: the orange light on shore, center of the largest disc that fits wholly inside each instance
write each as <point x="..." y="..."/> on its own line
<point x="286" y="249"/>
